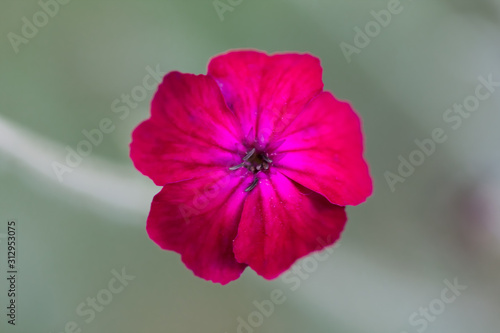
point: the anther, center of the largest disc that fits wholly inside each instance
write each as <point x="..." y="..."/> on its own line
<point x="236" y="167"/>
<point x="249" y="154"/>
<point x="252" y="186"/>
<point x="267" y="159"/>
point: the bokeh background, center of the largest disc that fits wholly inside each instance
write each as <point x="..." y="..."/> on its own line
<point x="399" y="248"/>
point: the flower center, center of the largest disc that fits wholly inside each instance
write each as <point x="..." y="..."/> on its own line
<point x="255" y="162"/>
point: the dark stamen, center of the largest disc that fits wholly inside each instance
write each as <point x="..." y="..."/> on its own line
<point x="236" y="167"/>
<point x="255" y="162"/>
<point x="267" y="159"/>
<point x="252" y="186"/>
<point x="249" y="154"/>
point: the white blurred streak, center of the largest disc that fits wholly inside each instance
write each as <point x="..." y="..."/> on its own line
<point x="109" y="186"/>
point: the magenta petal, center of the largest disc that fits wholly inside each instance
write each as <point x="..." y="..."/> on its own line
<point x="239" y="75"/>
<point x="323" y="151"/>
<point x="190" y="132"/>
<point x="266" y="92"/>
<point x="199" y="219"/>
<point x="281" y="222"/>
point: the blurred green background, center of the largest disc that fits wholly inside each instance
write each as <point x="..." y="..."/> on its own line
<point x="441" y="224"/>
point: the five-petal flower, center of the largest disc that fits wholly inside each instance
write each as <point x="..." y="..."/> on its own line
<point x="256" y="161"/>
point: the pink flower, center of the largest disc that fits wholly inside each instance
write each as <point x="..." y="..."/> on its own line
<point x="256" y="162"/>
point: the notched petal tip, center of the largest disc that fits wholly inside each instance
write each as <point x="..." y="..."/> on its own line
<point x="190" y="133"/>
<point x="198" y="219"/>
<point x="323" y="151"/>
<point x="280" y="225"/>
